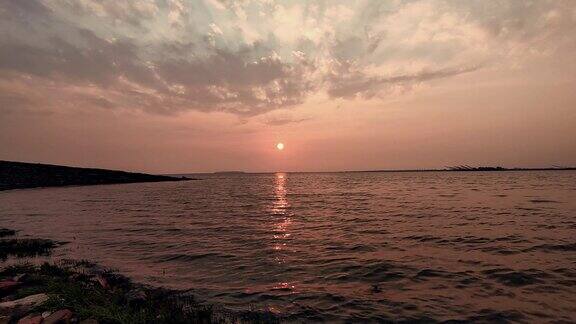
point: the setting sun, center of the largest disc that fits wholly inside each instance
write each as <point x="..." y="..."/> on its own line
<point x="280" y="146"/>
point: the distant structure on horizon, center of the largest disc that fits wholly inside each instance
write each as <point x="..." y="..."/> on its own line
<point x="499" y="168"/>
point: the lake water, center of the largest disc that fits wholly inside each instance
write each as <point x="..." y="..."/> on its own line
<point x="475" y="246"/>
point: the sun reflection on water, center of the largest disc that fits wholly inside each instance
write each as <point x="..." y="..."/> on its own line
<point x="282" y="221"/>
<point x="280" y="212"/>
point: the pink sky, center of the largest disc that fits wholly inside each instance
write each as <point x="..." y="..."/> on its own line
<point x="199" y="86"/>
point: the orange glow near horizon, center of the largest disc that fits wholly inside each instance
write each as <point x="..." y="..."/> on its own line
<point x="265" y="86"/>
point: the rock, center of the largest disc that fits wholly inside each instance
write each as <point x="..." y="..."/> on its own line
<point x="103" y="282"/>
<point x="8" y="285"/>
<point x="60" y="316"/>
<point x="46" y="314"/>
<point x="20" y="278"/>
<point x="24" y="303"/>
<point x="136" y="295"/>
<point x="31" y="319"/>
<point x="5" y="319"/>
<point x="89" y="321"/>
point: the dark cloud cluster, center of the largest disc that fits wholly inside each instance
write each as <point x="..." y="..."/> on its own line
<point x="346" y="82"/>
<point x="84" y="50"/>
<point x="249" y="80"/>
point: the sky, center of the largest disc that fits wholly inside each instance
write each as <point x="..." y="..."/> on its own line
<point x="178" y="86"/>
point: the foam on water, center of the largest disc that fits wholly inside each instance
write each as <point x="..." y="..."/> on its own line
<point x="435" y="246"/>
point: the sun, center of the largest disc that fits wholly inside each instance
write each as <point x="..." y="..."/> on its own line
<point x="280" y="146"/>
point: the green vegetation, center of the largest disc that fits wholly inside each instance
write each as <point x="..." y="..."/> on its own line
<point x="25" y="247"/>
<point x="68" y="287"/>
<point x="74" y="285"/>
<point x="91" y="292"/>
<point x="22" y="247"/>
<point x="6" y="232"/>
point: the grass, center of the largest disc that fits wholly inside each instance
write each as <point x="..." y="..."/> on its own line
<point x="7" y="232"/>
<point x="22" y="247"/>
<point x="25" y="247"/>
<point x="71" y="285"/>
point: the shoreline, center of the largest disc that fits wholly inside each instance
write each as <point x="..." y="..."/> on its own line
<point x="79" y="291"/>
<point x="21" y="175"/>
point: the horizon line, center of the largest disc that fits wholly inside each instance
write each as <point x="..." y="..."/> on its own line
<point x="460" y="168"/>
<point x="492" y="169"/>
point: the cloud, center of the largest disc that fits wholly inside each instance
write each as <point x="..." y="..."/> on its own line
<point x="241" y="82"/>
<point x="251" y="57"/>
<point x="9" y="100"/>
<point x="234" y="81"/>
<point x="347" y="83"/>
<point x="284" y="120"/>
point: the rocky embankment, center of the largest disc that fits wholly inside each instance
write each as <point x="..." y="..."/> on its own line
<point x="20" y="175"/>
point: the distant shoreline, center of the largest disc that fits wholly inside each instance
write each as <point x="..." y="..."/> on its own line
<point x="21" y="175"/>
<point x="472" y="170"/>
<point x="373" y="171"/>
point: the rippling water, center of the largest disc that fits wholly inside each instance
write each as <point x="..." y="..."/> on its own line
<point x="487" y="246"/>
